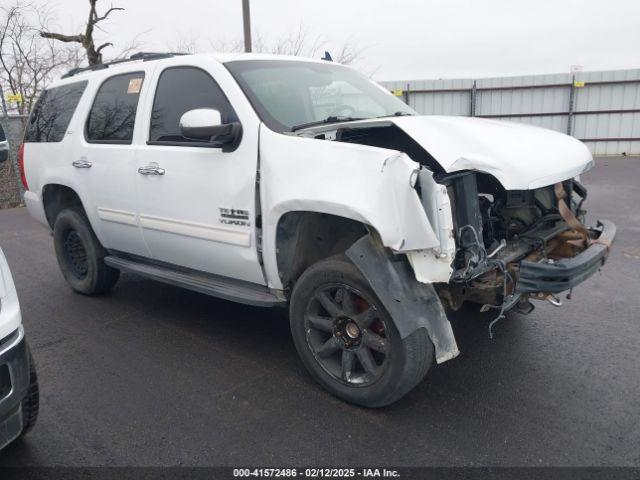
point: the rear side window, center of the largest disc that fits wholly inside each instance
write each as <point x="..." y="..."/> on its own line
<point x="113" y="114"/>
<point x="2" y="135"/>
<point x="181" y="89"/>
<point x="52" y="113"/>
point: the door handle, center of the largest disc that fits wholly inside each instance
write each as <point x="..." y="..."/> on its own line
<point x="151" y="170"/>
<point x="82" y="163"/>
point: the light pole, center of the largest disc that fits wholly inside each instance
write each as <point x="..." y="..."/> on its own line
<point x="246" y="20"/>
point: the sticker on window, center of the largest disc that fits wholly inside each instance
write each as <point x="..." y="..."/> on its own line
<point x="135" y="84"/>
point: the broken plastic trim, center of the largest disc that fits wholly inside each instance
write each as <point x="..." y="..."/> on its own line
<point x="564" y="274"/>
<point x="411" y="304"/>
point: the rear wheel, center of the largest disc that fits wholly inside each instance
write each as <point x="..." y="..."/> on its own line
<point x="349" y="342"/>
<point x="80" y="254"/>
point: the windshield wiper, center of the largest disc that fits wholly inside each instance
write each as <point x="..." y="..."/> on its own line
<point x="326" y="121"/>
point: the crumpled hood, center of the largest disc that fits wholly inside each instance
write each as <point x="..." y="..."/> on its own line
<point x="520" y="156"/>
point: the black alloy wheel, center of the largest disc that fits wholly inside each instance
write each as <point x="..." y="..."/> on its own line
<point x="346" y="334"/>
<point x="348" y="341"/>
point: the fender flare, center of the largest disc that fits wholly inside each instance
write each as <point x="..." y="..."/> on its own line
<point x="411" y="304"/>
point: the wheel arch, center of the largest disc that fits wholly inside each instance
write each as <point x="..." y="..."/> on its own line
<point x="57" y="197"/>
<point x="304" y="237"/>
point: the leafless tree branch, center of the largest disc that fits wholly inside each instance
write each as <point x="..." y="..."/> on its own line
<point x="136" y="44"/>
<point x="62" y="38"/>
<point x="185" y="44"/>
<point x="104" y="45"/>
<point x="299" y="42"/>
<point x="86" y="39"/>
<point x="103" y="17"/>
<point x="27" y="61"/>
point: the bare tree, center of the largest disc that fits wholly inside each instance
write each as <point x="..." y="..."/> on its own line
<point x="300" y="42"/>
<point x="94" y="54"/>
<point x="233" y="46"/>
<point x="28" y="62"/>
<point x="185" y="44"/>
<point x="136" y="44"/>
<point x="349" y="53"/>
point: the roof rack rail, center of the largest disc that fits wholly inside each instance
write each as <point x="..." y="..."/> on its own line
<point x="144" y="56"/>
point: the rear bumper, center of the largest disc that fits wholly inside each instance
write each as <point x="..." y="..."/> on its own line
<point x="14" y="383"/>
<point x="567" y="273"/>
<point x="35" y="207"/>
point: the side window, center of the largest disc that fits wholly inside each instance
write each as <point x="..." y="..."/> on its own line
<point x="181" y="89"/>
<point x="52" y="113"/>
<point x="113" y="113"/>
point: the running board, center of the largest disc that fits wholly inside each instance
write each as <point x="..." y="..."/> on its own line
<point x="209" y="284"/>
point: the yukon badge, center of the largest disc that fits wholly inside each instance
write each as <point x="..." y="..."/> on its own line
<point x="233" y="216"/>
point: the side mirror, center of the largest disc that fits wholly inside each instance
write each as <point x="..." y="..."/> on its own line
<point x="205" y="124"/>
<point x="4" y="151"/>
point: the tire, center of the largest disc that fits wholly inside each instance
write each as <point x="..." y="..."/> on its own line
<point x="339" y="327"/>
<point x="80" y="254"/>
<point x="31" y="401"/>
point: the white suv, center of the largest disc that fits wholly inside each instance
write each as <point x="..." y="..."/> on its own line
<point x="271" y="180"/>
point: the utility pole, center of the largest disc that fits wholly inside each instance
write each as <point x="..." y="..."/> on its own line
<point x="246" y="20"/>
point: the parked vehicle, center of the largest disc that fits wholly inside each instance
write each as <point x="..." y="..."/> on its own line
<point x="19" y="394"/>
<point x="271" y="180"/>
<point x="4" y="146"/>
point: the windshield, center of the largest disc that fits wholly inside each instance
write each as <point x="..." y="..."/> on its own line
<point x="288" y="94"/>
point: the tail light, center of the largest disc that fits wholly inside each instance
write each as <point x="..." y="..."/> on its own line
<point x="23" y="177"/>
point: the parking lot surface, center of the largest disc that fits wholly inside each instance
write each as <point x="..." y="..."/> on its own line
<point x="154" y="375"/>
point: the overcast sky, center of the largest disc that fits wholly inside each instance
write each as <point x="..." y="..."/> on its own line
<point x="402" y="39"/>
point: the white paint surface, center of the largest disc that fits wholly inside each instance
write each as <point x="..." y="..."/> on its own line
<point x="10" y="318"/>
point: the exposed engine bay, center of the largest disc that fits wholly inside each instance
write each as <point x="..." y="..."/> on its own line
<point x="511" y="245"/>
<point x="497" y="228"/>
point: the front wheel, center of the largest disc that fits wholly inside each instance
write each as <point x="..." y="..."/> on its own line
<point x="348" y="341"/>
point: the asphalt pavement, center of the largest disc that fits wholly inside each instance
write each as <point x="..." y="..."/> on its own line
<point x="152" y="375"/>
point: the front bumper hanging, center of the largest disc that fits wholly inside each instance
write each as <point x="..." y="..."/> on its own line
<point x="565" y="274"/>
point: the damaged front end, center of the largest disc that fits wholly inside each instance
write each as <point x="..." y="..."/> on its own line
<point x="517" y="245"/>
<point x="509" y="228"/>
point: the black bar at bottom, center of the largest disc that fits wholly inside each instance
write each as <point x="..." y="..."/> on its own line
<point x="373" y="472"/>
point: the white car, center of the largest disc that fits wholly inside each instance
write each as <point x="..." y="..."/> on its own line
<point x="19" y="395"/>
<point x="276" y="180"/>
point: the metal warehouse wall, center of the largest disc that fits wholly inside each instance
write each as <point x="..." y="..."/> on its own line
<point x="600" y="108"/>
